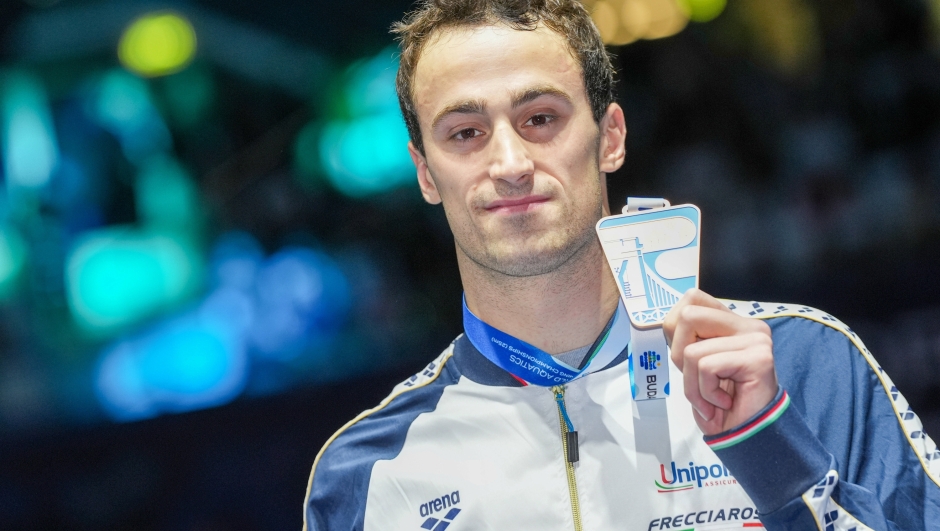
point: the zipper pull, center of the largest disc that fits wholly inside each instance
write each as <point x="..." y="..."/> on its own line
<point x="571" y="436"/>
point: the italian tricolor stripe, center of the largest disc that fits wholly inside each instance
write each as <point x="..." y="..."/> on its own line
<point x="752" y="428"/>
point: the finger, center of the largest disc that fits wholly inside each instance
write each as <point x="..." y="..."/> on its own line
<point x="697" y="322"/>
<point x="706" y="347"/>
<point x="691" y="385"/>
<point x="692" y="323"/>
<point x="692" y="297"/>
<point x="691" y="356"/>
<point x="714" y="373"/>
<point x="710" y="322"/>
<point x="717" y="423"/>
<point x="700" y="354"/>
<point x="749" y="369"/>
<point x="707" y="425"/>
<point x="698" y="297"/>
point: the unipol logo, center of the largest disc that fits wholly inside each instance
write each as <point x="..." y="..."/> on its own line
<point x="430" y="509"/>
<point x="650" y="360"/>
<point x="676" y="478"/>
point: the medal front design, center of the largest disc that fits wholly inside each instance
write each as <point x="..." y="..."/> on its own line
<point x="653" y="256"/>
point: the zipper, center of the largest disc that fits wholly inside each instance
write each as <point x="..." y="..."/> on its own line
<point x="569" y="443"/>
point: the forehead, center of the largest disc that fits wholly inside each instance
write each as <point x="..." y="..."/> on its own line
<point x="492" y="62"/>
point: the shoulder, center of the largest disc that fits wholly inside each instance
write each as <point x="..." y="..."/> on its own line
<point x="814" y="351"/>
<point x="800" y="330"/>
<point x="803" y="315"/>
<point x="339" y="480"/>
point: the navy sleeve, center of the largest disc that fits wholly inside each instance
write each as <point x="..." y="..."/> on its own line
<point x="840" y="449"/>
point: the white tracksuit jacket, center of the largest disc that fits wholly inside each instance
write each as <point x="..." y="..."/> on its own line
<point x="462" y="445"/>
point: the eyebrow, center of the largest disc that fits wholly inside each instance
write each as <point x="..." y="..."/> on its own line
<point x="461" y="107"/>
<point x="534" y="93"/>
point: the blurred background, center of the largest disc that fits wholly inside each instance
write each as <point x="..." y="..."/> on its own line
<point x="213" y="252"/>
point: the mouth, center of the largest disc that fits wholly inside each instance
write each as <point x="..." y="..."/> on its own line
<point x="516" y="205"/>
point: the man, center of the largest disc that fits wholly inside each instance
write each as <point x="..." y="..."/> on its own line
<point x="513" y="129"/>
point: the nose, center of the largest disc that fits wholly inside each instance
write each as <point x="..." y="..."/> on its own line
<point x="510" y="158"/>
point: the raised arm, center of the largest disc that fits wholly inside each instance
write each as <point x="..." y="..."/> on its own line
<point x="835" y="443"/>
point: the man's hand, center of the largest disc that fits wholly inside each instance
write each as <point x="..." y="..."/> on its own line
<point x="726" y="360"/>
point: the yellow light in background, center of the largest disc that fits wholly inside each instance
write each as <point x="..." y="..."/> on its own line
<point x="702" y="10"/>
<point x="934" y="7"/>
<point x="157" y="44"/>
<point x="606" y="19"/>
<point x="785" y="34"/>
<point x="666" y="18"/>
<point x="635" y="18"/>
<point x="625" y="21"/>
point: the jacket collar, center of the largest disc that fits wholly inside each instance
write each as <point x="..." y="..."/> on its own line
<point x="474" y="366"/>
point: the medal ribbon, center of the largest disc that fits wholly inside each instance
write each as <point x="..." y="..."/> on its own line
<point x="533" y="365"/>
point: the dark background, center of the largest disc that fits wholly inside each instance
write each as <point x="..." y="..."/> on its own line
<point x="807" y="132"/>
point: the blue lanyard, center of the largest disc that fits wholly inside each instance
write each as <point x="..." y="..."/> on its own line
<point x="532" y="364"/>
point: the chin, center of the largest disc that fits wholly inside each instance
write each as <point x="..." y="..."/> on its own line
<point x="519" y="261"/>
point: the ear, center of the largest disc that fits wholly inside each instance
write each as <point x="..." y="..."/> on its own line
<point x="425" y="179"/>
<point x="613" y="135"/>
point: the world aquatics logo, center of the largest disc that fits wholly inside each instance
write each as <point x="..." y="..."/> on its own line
<point x="650" y="360"/>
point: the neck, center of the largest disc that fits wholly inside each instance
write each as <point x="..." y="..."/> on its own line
<point x="556" y="312"/>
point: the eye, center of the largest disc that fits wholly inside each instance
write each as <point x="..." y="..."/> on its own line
<point x="540" y="120"/>
<point x="467" y="134"/>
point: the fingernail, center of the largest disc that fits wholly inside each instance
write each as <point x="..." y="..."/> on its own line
<point x="700" y="414"/>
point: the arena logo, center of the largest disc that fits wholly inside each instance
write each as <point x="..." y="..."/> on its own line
<point x="675" y="478"/>
<point x="447" y="501"/>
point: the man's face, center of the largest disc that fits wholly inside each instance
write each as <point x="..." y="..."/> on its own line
<point x="511" y="147"/>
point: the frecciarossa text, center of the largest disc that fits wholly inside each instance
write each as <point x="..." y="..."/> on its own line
<point x="683" y="521"/>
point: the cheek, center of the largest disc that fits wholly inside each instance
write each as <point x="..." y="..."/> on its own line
<point x="579" y="164"/>
<point x="579" y="148"/>
<point x="452" y="197"/>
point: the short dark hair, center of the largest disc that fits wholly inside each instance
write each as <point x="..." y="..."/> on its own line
<point x="568" y="18"/>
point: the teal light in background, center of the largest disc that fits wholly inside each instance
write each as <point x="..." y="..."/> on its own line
<point x="123" y="101"/>
<point x="188" y="95"/>
<point x="367" y="155"/>
<point x="363" y="152"/>
<point x="307" y="153"/>
<point x="30" y="150"/>
<point x="166" y="197"/>
<point x="122" y="104"/>
<point x="12" y="258"/>
<point x="117" y="276"/>
<point x="191" y="362"/>
<point x="370" y="88"/>
<point x="259" y="312"/>
<point x="187" y="359"/>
